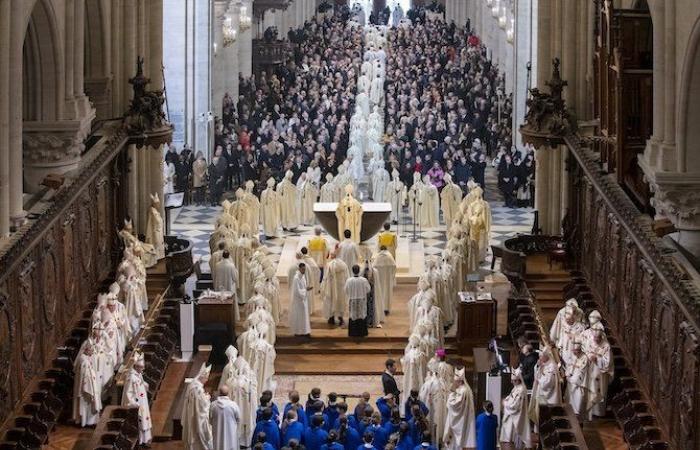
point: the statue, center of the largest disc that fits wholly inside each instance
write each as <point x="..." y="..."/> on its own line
<point x="146" y="108"/>
<point x="154" y="228"/>
<point x="349" y="214"/>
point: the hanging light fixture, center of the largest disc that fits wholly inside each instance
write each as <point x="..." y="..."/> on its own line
<point x="510" y="32"/>
<point x="495" y="9"/>
<point x="245" y="21"/>
<point x="502" y="18"/>
<point x="489" y="3"/>
<point x="229" y="32"/>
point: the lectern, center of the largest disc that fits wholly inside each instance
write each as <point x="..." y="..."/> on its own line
<point x="476" y="320"/>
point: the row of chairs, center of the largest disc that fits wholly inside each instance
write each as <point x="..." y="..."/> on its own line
<point x="118" y="429"/>
<point x="559" y="428"/>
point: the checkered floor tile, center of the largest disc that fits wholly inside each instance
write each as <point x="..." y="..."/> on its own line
<point x="197" y="222"/>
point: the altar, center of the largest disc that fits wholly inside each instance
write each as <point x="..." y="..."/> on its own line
<point x="374" y="215"/>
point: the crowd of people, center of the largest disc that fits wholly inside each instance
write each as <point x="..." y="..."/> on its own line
<point x="446" y="113"/>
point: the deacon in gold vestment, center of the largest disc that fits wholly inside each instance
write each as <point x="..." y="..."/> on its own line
<point x="318" y="249"/>
<point x="349" y="215"/>
<point x="388" y="239"/>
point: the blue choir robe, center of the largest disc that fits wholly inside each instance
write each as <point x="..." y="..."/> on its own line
<point x="391" y="428"/>
<point x="405" y="442"/>
<point x="409" y="405"/>
<point x="352" y="439"/>
<point x="268" y="446"/>
<point x="384" y="409"/>
<point x="351" y="423"/>
<point x="325" y="421"/>
<point x="380" y="436"/>
<point x="275" y="413"/>
<point x="332" y="413"/>
<point x="301" y="414"/>
<point x="314" y="438"/>
<point x="333" y="446"/>
<point x="272" y="433"/>
<point x="294" y="430"/>
<point x="486" y="426"/>
<point x="362" y="426"/>
<point x="416" y="433"/>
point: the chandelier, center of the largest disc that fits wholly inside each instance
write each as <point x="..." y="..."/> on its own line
<point x="502" y="19"/>
<point x="496" y="9"/>
<point x="510" y="32"/>
<point x="229" y="31"/>
<point x="245" y="21"/>
<point x="489" y="3"/>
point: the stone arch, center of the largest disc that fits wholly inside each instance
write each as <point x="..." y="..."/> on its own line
<point x="42" y="66"/>
<point x="96" y="40"/>
<point x="688" y="128"/>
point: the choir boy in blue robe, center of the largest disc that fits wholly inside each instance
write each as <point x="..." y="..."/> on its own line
<point x="347" y="435"/>
<point x="486" y="428"/>
<point x="292" y="428"/>
<point x="368" y="442"/>
<point x="294" y="403"/>
<point x="426" y="442"/>
<point x="332" y="442"/>
<point x="269" y="428"/>
<point x="315" y="436"/>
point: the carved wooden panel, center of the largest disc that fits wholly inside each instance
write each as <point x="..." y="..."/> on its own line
<point x="686" y="398"/>
<point x="626" y="322"/>
<point x="53" y="272"/>
<point x="644" y="313"/>
<point x="665" y="356"/>
<point x="611" y="298"/>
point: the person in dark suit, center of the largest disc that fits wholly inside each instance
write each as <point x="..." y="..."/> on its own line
<point x="388" y="380"/>
<point x="528" y="360"/>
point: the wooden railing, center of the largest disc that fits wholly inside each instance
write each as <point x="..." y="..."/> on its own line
<point x="651" y="306"/>
<point x="51" y="268"/>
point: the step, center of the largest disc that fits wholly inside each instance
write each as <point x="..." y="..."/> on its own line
<point x="336" y="364"/>
<point x="349" y="348"/>
<point x="554" y="275"/>
<point x="546" y="285"/>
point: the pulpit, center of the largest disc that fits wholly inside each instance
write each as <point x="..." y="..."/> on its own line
<point x="215" y="322"/>
<point x="476" y="320"/>
<point x="374" y="215"/>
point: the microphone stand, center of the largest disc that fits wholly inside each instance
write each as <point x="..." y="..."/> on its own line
<point x="415" y="213"/>
<point x="420" y="224"/>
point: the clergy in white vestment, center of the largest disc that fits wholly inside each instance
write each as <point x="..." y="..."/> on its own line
<point x="87" y="389"/>
<point x="515" y="425"/>
<point x="168" y="178"/>
<point x="384" y="268"/>
<point x="289" y="199"/>
<point x="427" y="310"/>
<point x="348" y="251"/>
<point x="424" y="293"/>
<point x="414" y="366"/>
<point x="224" y="415"/>
<point x="270" y="209"/>
<point x="580" y="393"/>
<point x="349" y="216"/>
<point x="260" y="315"/>
<point x="121" y="318"/>
<point x="132" y="302"/>
<point x="395" y="195"/>
<point x="154" y="227"/>
<point x="555" y="330"/>
<point x="215" y="258"/>
<point x="434" y="393"/>
<point x="253" y="204"/>
<point x="244" y="391"/>
<point x="242" y="254"/>
<point x="113" y="335"/>
<point x="430" y="211"/>
<point x="444" y="370"/>
<point x="376" y="92"/>
<point x="595" y="325"/>
<point x="226" y="274"/>
<point x="357" y="167"/>
<point x="363" y="84"/>
<point x="415" y="198"/>
<point x="229" y="369"/>
<point x="196" y="428"/>
<point x="601" y="368"/>
<point x="148" y="254"/>
<point x="450" y="197"/>
<point x="307" y="197"/>
<point x="546" y="387"/>
<point x="299" y="323"/>
<point x="380" y="182"/>
<point x="271" y="292"/>
<point x="333" y="289"/>
<point x="460" y="430"/>
<point x="262" y="358"/>
<point x="571" y="331"/>
<point x="135" y="393"/>
<point x="330" y="191"/>
<point x="313" y="278"/>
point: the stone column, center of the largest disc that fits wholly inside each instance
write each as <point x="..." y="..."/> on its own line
<point x="677" y="196"/>
<point x="17" y="30"/>
<point x="155" y="43"/>
<point x="652" y="153"/>
<point x="670" y="29"/>
<point x="218" y="69"/>
<point x="245" y="46"/>
<point x="5" y="36"/>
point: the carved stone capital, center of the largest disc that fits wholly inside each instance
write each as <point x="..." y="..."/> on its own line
<point x="51" y="148"/>
<point x="677" y="195"/>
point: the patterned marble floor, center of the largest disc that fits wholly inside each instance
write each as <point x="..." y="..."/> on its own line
<point x="197" y="222"/>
